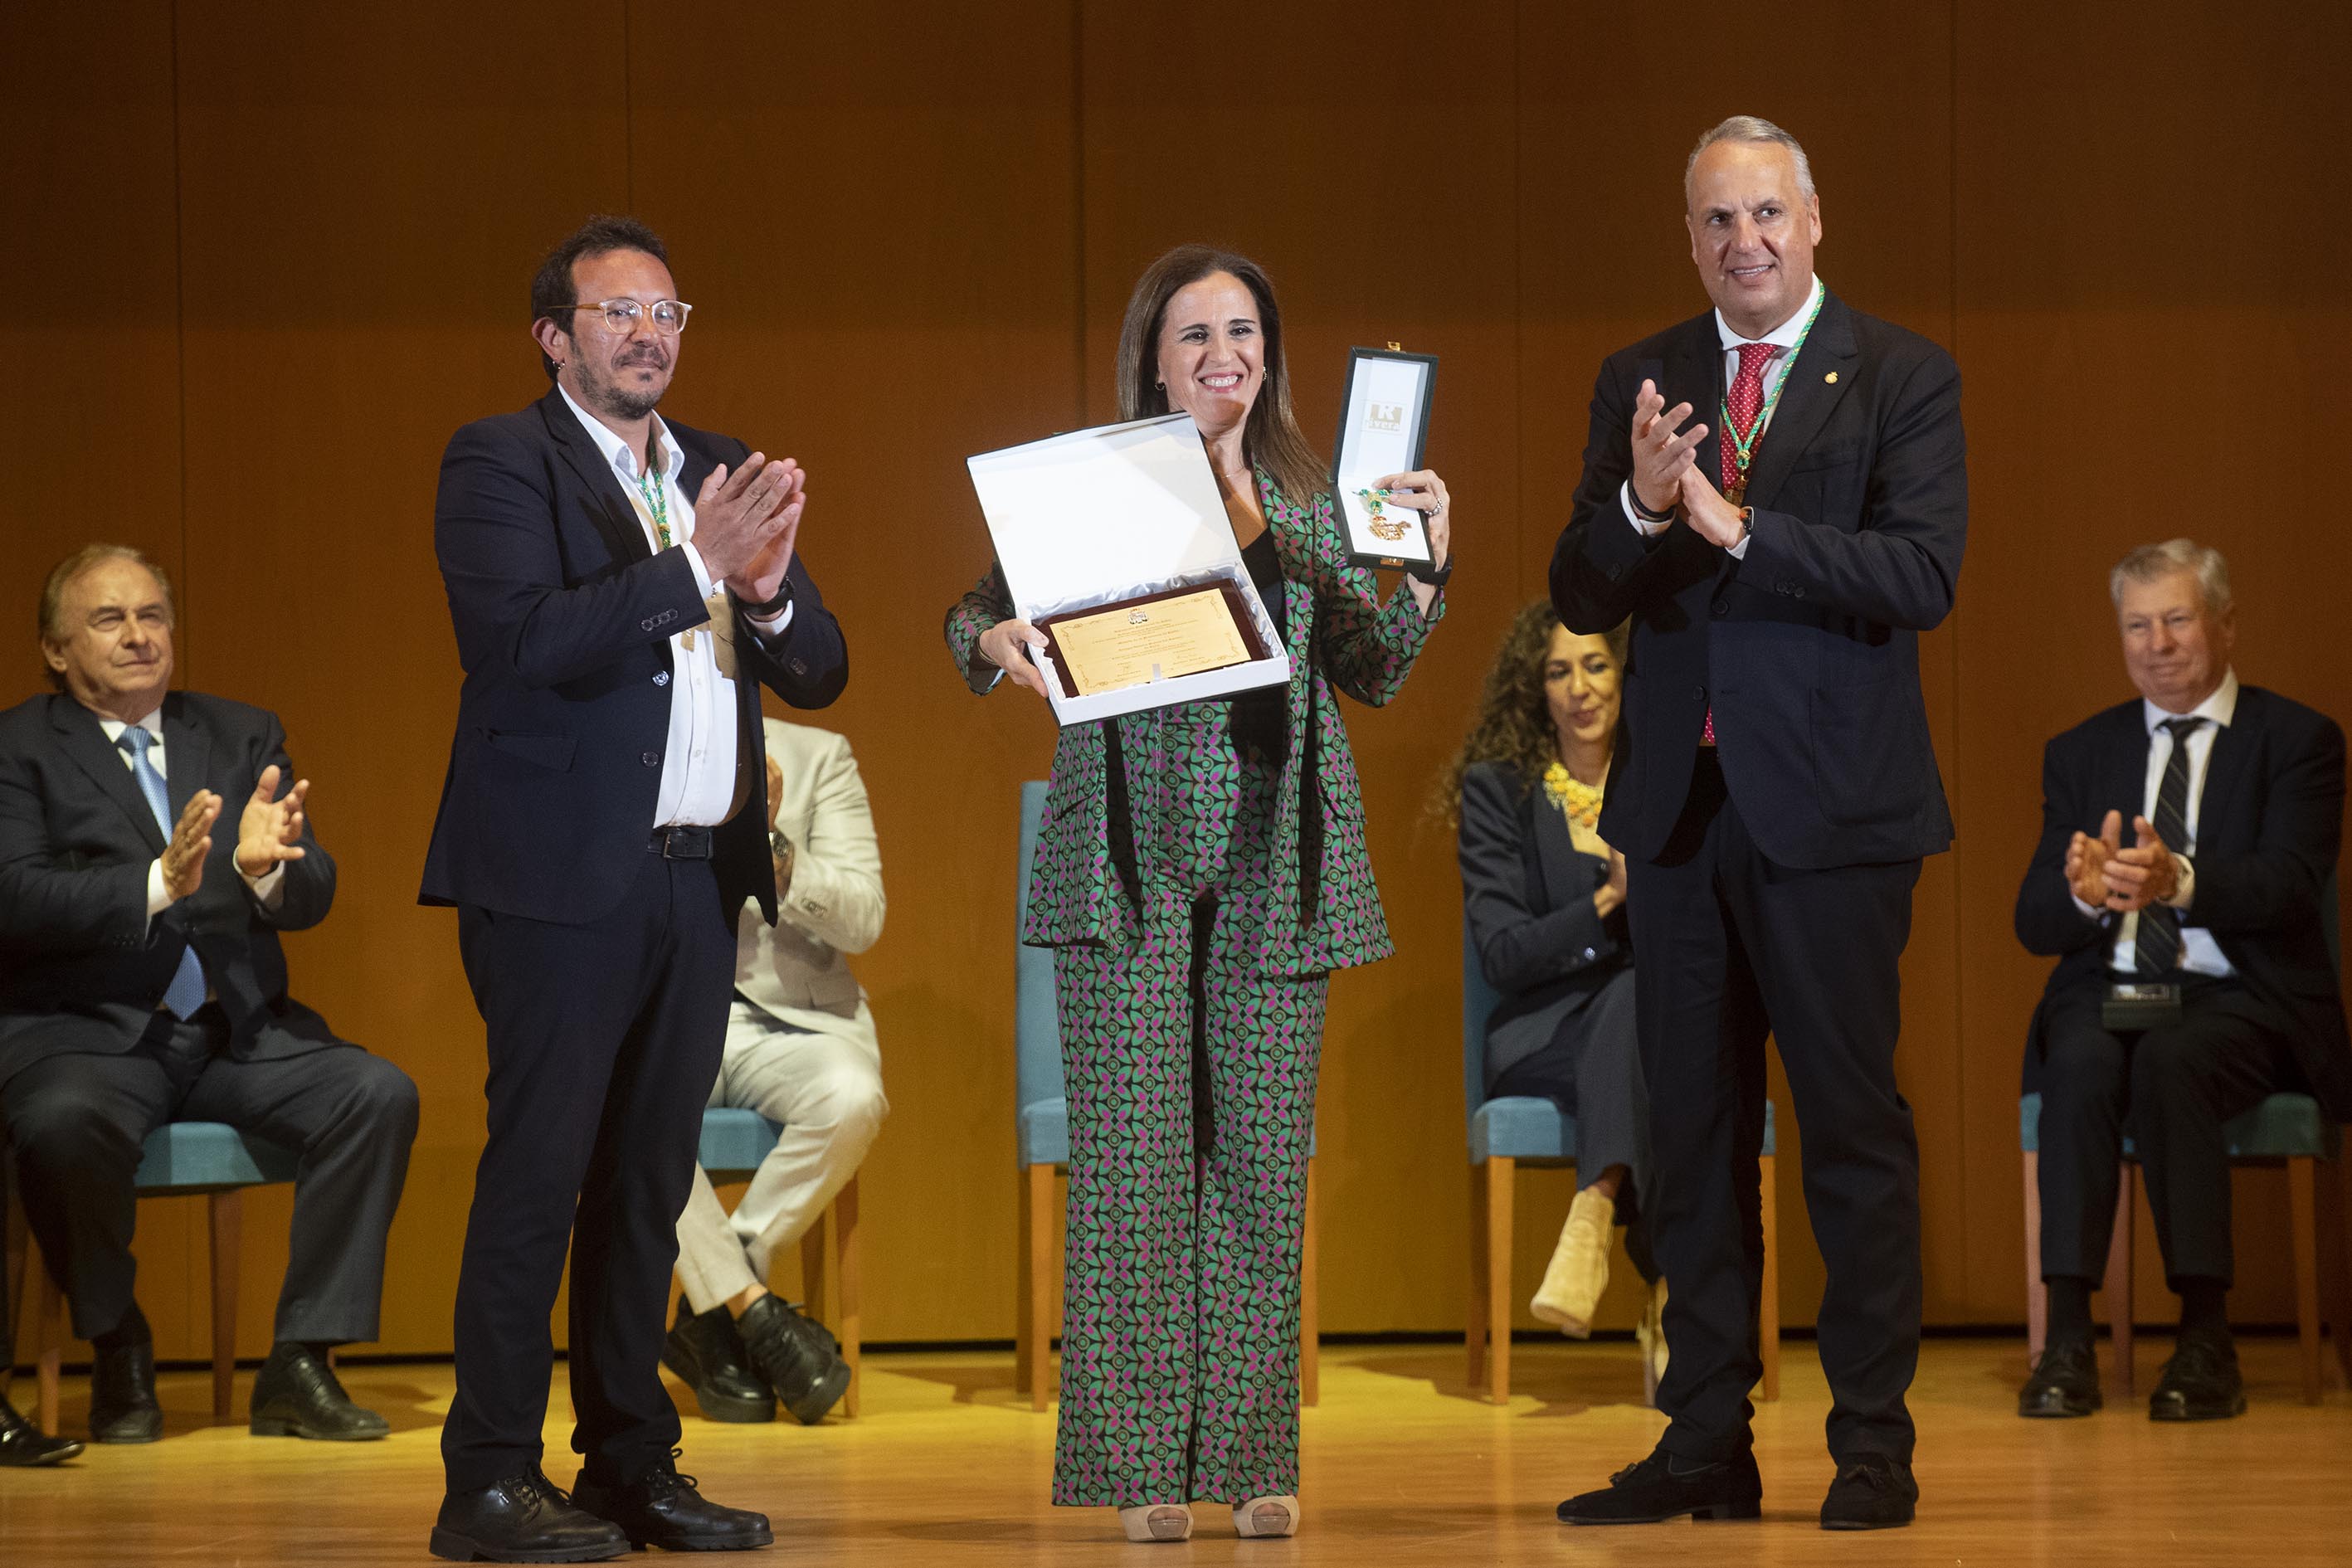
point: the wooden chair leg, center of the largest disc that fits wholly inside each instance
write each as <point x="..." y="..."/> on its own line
<point x="227" y="1213"/>
<point x="1024" y="1223"/>
<point x="2303" y="1210"/>
<point x="2118" y="1285"/>
<point x="50" y="1330"/>
<point x="2339" y="1234"/>
<point x="1037" y="1257"/>
<point x="1501" y="1172"/>
<point x="1767" y="1297"/>
<point x="2037" y="1293"/>
<point x="848" y="1273"/>
<point x="1310" y="1305"/>
<point x="817" y="1270"/>
<point x="1474" y="1332"/>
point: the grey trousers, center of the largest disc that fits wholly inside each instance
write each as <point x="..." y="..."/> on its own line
<point x="75" y="1124"/>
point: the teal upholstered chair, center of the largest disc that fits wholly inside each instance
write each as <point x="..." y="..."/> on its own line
<point x="2287" y="1130"/>
<point x="734" y="1141"/>
<point x="1521" y="1130"/>
<point x="1041" y="1126"/>
<point x="181" y="1158"/>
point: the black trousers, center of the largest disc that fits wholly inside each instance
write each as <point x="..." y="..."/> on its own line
<point x="1734" y="947"/>
<point x="1591" y="1069"/>
<point x="604" y="1041"/>
<point x="77" y="1122"/>
<point x="2172" y="1090"/>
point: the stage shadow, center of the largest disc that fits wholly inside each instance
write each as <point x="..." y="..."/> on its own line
<point x="1563" y="1380"/>
<point x="972" y="1380"/>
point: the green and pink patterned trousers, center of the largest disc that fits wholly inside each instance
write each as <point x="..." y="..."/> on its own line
<point x="1190" y="1077"/>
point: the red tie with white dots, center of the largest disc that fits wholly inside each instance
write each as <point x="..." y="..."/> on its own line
<point x="1745" y="404"/>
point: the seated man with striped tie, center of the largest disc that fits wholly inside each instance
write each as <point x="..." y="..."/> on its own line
<point x="153" y="844"/>
<point x="2187" y="842"/>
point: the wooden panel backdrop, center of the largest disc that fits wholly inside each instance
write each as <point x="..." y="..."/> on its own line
<point x="272" y="256"/>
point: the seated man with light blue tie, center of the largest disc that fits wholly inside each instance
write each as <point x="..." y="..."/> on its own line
<point x="2193" y="979"/>
<point x="142" y="982"/>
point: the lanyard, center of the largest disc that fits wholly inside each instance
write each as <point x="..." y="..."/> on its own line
<point x="1743" y="447"/>
<point x="655" y="492"/>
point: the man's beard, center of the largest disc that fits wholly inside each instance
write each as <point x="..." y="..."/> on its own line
<point x="621" y="402"/>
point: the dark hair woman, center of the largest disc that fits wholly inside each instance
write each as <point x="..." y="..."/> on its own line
<point x="1545" y="898"/>
<point x="1200" y="871"/>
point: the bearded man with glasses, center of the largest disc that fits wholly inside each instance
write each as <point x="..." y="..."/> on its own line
<point x="621" y="586"/>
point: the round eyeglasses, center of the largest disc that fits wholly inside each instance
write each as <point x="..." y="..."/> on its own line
<point x="622" y="315"/>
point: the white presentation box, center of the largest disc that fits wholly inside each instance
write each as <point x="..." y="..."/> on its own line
<point x="1123" y="517"/>
<point x="1383" y="429"/>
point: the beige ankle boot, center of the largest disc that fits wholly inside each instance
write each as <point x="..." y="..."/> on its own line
<point x="1157" y="1521"/>
<point x="1264" y="1516"/>
<point x="1650" y="1334"/>
<point x="1579" y="1266"/>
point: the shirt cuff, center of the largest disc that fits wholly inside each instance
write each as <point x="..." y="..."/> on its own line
<point x="704" y="584"/>
<point x="158" y="901"/>
<point x="769" y="630"/>
<point x="1643" y="525"/>
<point x="268" y="889"/>
<point x="2087" y="911"/>
<point x="2186" y="889"/>
<point x="1739" y="551"/>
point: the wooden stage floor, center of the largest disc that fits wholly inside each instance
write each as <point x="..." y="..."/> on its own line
<point x="1401" y="1467"/>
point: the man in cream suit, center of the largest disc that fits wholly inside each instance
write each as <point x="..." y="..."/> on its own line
<point x="801" y="1050"/>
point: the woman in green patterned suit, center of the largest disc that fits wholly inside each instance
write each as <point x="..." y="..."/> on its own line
<point x="1200" y="871"/>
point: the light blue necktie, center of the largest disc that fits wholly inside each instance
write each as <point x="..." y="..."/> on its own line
<point x="186" y="992"/>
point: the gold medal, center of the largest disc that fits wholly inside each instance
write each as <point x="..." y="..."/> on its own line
<point x="1383" y="525"/>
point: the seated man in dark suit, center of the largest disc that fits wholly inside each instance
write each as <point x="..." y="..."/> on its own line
<point x="2234" y="798"/>
<point x="142" y="982"/>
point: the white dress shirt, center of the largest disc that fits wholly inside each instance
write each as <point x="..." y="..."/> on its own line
<point x="268" y="888"/>
<point x="1783" y="337"/>
<point x="2199" y="953"/>
<point x="698" y="776"/>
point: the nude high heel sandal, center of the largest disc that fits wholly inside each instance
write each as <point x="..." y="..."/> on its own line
<point x="1157" y="1521"/>
<point x="1266" y="1516"/>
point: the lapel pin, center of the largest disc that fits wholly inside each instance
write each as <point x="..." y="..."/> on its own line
<point x="1831" y="378"/>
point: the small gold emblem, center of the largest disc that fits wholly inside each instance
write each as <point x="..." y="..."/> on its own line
<point x="1831" y="378"/>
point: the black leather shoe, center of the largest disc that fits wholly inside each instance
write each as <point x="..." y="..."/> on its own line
<point x="798" y="1358"/>
<point x="2064" y="1383"/>
<point x="25" y="1444"/>
<point x="1873" y="1492"/>
<point x="1664" y="1487"/>
<point x="708" y="1357"/>
<point x="122" y="1407"/>
<point x="297" y="1395"/>
<point x="663" y="1510"/>
<point x="523" y="1518"/>
<point x="2200" y="1383"/>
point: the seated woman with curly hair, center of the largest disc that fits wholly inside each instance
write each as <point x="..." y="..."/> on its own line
<point x="1545" y="898"/>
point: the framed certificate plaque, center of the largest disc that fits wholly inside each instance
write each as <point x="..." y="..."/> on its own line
<point x="1114" y="543"/>
<point x="1384" y="429"/>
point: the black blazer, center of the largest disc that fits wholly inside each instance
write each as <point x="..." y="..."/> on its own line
<point x="81" y="967"/>
<point x="1527" y="893"/>
<point x="563" y="618"/>
<point x="1808" y="646"/>
<point x="2268" y="825"/>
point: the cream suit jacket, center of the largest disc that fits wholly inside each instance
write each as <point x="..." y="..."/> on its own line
<point x="798" y="969"/>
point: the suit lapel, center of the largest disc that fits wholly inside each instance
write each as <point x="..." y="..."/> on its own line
<point x="1807" y="398"/>
<point x="609" y="506"/>
<point x="2127" y="782"/>
<point x="1694" y="376"/>
<point x="85" y="743"/>
<point x="187" y="763"/>
<point x="2234" y="745"/>
<point x="1556" y="849"/>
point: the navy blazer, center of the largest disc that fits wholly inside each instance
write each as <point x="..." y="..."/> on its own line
<point x="564" y="616"/>
<point x="2268" y="825"/>
<point x="1527" y="893"/>
<point x="1807" y="647"/>
<point x="82" y="969"/>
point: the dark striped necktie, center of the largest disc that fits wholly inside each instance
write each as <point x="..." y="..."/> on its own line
<point x="2158" y="942"/>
